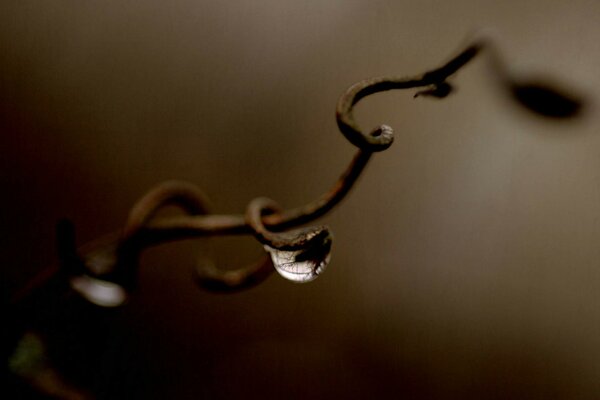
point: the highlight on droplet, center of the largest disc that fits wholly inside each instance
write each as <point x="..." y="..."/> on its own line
<point x="99" y="292"/>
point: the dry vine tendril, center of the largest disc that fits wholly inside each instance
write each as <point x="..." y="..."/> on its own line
<point x="104" y="270"/>
<point x="298" y="254"/>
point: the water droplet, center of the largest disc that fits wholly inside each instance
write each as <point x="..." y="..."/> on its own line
<point x="99" y="292"/>
<point x="302" y="265"/>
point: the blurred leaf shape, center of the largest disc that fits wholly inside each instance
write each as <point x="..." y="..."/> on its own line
<point x="547" y="100"/>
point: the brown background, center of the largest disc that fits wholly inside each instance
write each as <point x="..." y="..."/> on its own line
<point x="466" y="261"/>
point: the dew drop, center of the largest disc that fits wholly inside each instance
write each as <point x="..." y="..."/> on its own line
<point x="99" y="292"/>
<point x="302" y="265"/>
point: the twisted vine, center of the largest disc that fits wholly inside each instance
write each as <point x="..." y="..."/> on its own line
<point x="115" y="257"/>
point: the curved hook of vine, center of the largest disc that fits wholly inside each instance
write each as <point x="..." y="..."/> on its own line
<point x="382" y="137"/>
<point x="542" y="98"/>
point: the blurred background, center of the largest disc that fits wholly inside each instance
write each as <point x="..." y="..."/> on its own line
<point x="465" y="262"/>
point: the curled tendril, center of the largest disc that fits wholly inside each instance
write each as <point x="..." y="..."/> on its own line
<point x="382" y="137"/>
